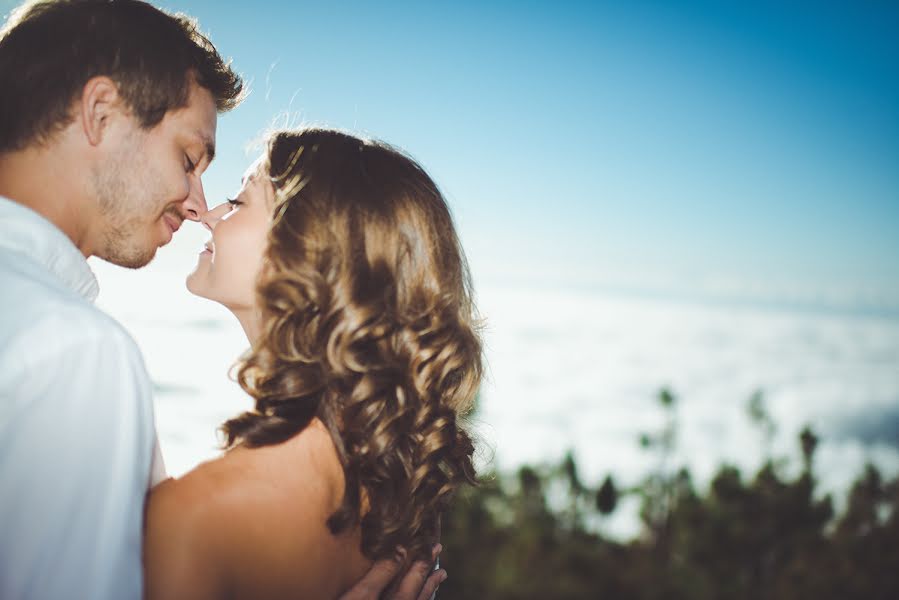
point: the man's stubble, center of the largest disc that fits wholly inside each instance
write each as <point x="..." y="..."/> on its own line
<point x="124" y="188"/>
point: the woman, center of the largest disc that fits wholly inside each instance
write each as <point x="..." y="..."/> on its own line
<point x="340" y="260"/>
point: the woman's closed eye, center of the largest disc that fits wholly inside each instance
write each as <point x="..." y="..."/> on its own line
<point x="233" y="202"/>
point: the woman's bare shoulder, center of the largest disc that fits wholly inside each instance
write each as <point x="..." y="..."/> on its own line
<point x="266" y="506"/>
<point x="187" y="535"/>
<point x="207" y="508"/>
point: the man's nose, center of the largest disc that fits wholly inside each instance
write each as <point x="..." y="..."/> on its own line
<point x="195" y="204"/>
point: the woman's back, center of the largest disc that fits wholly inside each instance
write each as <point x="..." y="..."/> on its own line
<point x="252" y="524"/>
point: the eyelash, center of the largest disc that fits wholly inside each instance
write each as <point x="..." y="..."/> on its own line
<point x="234" y="203"/>
<point x="190" y="164"/>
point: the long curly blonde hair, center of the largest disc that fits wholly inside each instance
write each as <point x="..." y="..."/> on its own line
<point x="369" y="325"/>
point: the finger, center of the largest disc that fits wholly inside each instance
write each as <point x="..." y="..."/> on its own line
<point x="373" y="583"/>
<point x="417" y="577"/>
<point x="413" y="581"/>
<point x="435" y="552"/>
<point x="431" y="585"/>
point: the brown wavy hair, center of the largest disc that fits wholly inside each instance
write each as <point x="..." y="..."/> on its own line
<point x="369" y="325"/>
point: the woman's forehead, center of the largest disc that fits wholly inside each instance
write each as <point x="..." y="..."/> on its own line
<point x="254" y="170"/>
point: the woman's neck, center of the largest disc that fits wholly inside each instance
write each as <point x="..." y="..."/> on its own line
<point x="250" y="322"/>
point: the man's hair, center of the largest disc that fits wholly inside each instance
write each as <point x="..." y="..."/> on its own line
<point x="49" y="49"/>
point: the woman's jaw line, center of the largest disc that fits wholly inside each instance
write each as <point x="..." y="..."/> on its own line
<point x="249" y="317"/>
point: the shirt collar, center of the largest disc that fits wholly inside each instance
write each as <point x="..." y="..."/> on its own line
<point x="28" y="233"/>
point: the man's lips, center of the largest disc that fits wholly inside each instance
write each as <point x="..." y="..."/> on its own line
<point x="173" y="223"/>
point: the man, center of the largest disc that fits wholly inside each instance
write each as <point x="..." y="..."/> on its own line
<point x="107" y="122"/>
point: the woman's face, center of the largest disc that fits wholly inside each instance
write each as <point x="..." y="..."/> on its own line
<point x="228" y="267"/>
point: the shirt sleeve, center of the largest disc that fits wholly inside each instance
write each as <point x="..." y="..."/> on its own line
<point x="76" y="446"/>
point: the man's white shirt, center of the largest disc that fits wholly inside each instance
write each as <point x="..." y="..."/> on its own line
<point x="78" y="446"/>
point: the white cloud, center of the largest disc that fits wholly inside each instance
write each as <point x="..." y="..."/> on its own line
<point x="568" y="370"/>
<point x="582" y="371"/>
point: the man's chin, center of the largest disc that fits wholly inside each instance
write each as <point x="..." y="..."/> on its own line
<point x="131" y="260"/>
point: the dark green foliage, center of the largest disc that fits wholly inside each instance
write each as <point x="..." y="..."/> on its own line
<point x="539" y="535"/>
<point x="607" y="496"/>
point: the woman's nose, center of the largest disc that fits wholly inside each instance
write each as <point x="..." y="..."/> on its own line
<point x="212" y="216"/>
<point x="205" y="220"/>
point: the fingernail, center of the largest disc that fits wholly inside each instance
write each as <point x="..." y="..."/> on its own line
<point x="443" y="577"/>
<point x="437" y="549"/>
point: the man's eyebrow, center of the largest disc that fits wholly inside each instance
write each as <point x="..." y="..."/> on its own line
<point x="209" y="144"/>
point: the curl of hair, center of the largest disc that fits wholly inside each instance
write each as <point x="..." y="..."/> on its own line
<point x="369" y="325"/>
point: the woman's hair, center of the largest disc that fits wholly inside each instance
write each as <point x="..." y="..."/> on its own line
<point x="369" y="325"/>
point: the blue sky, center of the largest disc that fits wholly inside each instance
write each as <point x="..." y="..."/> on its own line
<point x="703" y="149"/>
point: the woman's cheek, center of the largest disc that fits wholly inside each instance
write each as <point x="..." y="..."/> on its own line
<point x="247" y="261"/>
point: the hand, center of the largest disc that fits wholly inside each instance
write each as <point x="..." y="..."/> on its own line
<point x="419" y="583"/>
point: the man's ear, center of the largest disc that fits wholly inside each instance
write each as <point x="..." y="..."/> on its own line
<point x="99" y="102"/>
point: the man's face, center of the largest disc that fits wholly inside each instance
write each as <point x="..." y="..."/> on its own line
<point x="150" y="181"/>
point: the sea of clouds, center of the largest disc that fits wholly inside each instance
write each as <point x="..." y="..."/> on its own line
<point x="577" y="370"/>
